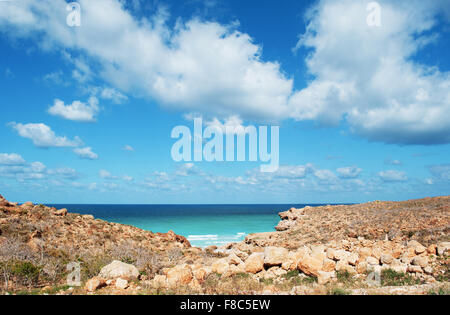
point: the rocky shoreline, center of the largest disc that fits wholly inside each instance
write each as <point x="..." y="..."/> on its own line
<point x="373" y="248"/>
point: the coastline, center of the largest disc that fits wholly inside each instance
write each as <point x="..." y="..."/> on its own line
<point x="314" y="251"/>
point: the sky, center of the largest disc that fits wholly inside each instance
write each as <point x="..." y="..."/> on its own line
<point x="360" y="92"/>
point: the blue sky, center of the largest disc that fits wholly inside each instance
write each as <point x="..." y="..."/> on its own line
<point x="87" y="112"/>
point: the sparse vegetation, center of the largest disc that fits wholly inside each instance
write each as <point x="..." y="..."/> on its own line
<point x="390" y="277"/>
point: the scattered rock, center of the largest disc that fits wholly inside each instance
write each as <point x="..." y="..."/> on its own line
<point x="220" y="266"/>
<point x="179" y="275"/>
<point x="121" y="284"/>
<point x="310" y="265"/>
<point x="61" y="212"/>
<point x="421" y="261"/>
<point x="94" y="284"/>
<point x="254" y="263"/>
<point x="274" y="256"/>
<point x="118" y="269"/>
<point x="443" y="248"/>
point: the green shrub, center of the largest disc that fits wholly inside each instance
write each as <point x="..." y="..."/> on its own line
<point x="390" y="277"/>
<point x="26" y="272"/>
<point x="338" y="291"/>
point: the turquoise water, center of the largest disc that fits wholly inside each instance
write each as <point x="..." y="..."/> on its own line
<point x="203" y="225"/>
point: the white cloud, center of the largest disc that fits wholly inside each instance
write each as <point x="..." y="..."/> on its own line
<point x="106" y="175"/>
<point x="77" y="111"/>
<point x="11" y="159"/>
<point x="393" y="162"/>
<point x="393" y="176"/>
<point x="85" y="153"/>
<point x="381" y="91"/>
<point x="215" y="70"/>
<point x="127" y="178"/>
<point x="349" y="172"/>
<point x="325" y="175"/>
<point x="195" y="66"/>
<point x="43" y="136"/>
<point x="441" y="172"/>
<point x="128" y="148"/>
<point x="113" y="95"/>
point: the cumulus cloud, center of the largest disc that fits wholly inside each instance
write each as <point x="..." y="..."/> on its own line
<point x="77" y="111"/>
<point x="86" y="153"/>
<point x="195" y="66"/>
<point x="349" y="172"/>
<point x="213" y="69"/>
<point x="441" y="172"/>
<point x="43" y="136"/>
<point x="393" y="176"/>
<point x="11" y="159"/>
<point x="383" y="94"/>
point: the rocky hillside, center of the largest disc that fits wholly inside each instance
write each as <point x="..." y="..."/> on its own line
<point x="374" y="248"/>
<point x="425" y="220"/>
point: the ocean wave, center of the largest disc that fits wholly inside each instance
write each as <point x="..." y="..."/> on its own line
<point x="214" y="239"/>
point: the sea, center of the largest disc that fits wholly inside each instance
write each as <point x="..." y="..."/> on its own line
<point x="202" y="225"/>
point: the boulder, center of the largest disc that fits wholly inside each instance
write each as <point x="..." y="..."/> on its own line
<point x="364" y="252"/>
<point x="94" y="284"/>
<point x="328" y="265"/>
<point x="61" y="212"/>
<point x="428" y="270"/>
<point x="200" y="274"/>
<point x="160" y="281"/>
<point x="121" y="284"/>
<point x="343" y="265"/>
<point x="179" y="275"/>
<point x="292" y="260"/>
<point x="414" y="269"/>
<point x="220" y="266"/>
<point x="432" y="249"/>
<point x="233" y="259"/>
<point x="386" y="259"/>
<point x="421" y="261"/>
<point x="118" y="269"/>
<point x="275" y="256"/>
<point x="372" y="261"/>
<point x="324" y="277"/>
<point x="310" y="265"/>
<point x="418" y="248"/>
<point x="443" y="248"/>
<point x="255" y="263"/>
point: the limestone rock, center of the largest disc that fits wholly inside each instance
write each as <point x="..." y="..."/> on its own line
<point x="121" y="284"/>
<point x="179" y="275"/>
<point x="233" y="259"/>
<point x="324" y="277"/>
<point x="328" y="265"/>
<point x="220" y="266"/>
<point x="94" y="284"/>
<point x="386" y="259"/>
<point x="310" y="265"/>
<point x="118" y="269"/>
<point x="254" y="263"/>
<point x="421" y="261"/>
<point x="372" y="261"/>
<point x="275" y="256"/>
<point x="61" y="212"/>
<point x="443" y="248"/>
